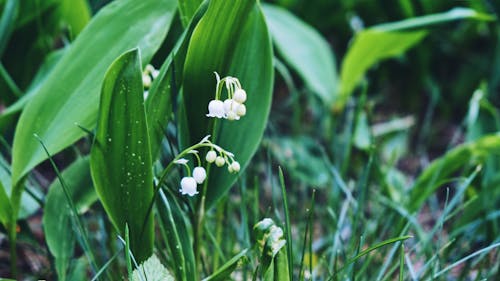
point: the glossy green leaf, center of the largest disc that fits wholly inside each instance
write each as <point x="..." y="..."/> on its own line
<point x="368" y="48"/>
<point x="187" y="8"/>
<point x="224" y="272"/>
<point x="71" y="93"/>
<point x="472" y="153"/>
<point x="160" y="97"/>
<point x="238" y="46"/>
<point x="178" y="240"/>
<point x="120" y="156"/>
<point x="57" y="216"/>
<point x="305" y="50"/>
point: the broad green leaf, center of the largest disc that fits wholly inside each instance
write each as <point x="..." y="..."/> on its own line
<point x="160" y="97"/>
<point x="120" y="158"/>
<point x="178" y="240"/>
<point x="472" y="153"/>
<point x="71" y="93"/>
<point x="57" y="216"/>
<point x="225" y="270"/>
<point x="305" y="50"/>
<point x="368" y="48"/>
<point x="187" y="8"/>
<point x="238" y="46"/>
<point x="454" y="14"/>
<point x="388" y="40"/>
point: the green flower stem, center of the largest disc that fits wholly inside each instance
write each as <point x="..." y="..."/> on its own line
<point x="200" y="210"/>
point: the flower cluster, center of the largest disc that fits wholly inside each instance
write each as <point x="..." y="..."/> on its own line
<point x="231" y="108"/>
<point x="148" y="75"/>
<point x="215" y="154"/>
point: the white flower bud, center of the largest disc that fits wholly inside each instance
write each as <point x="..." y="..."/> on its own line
<point x="240" y="95"/>
<point x="211" y="155"/>
<point x="216" y="109"/>
<point x="188" y="186"/>
<point x="219" y="161"/>
<point x="146" y="80"/>
<point x="235" y="166"/>
<point x="199" y="174"/>
<point x="241" y="110"/>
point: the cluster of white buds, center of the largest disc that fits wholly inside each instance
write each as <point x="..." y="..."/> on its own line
<point x="221" y="158"/>
<point x="231" y="108"/>
<point x="215" y="154"/>
<point x="148" y="75"/>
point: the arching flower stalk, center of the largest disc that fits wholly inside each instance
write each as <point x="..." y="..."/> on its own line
<point x="198" y="175"/>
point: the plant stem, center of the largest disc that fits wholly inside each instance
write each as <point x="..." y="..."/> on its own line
<point x="12" y="248"/>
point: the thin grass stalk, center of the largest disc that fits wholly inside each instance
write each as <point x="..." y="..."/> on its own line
<point x="288" y="231"/>
<point x="74" y="213"/>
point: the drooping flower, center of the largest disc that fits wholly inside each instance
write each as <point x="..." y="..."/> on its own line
<point x="216" y="109"/>
<point x="188" y="186"/>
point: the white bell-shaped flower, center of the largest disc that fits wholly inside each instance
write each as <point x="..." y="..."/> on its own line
<point x="199" y="174"/>
<point x="240" y="95"/>
<point x="188" y="186"/>
<point x="216" y="109"/>
<point x="211" y="155"/>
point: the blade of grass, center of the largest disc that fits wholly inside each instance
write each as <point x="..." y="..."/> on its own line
<point x="402" y="262"/>
<point x="288" y="232"/>
<point x="76" y="218"/>
<point x="372" y="248"/>
<point x="105" y="266"/>
<point x="127" y="252"/>
<point x="308" y="231"/>
<point x="466" y="258"/>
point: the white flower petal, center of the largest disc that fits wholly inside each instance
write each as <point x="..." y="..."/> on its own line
<point x="181" y="161"/>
